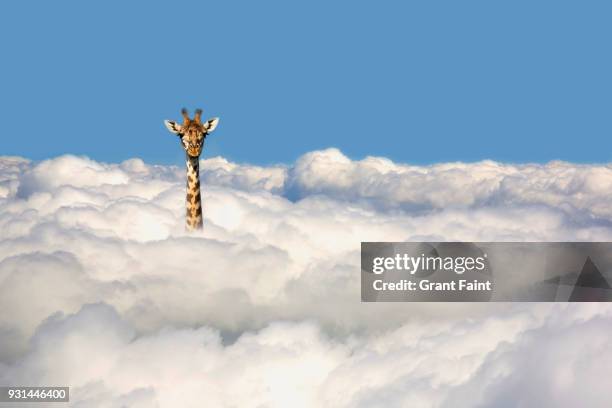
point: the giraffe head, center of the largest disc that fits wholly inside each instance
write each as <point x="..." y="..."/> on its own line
<point x="193" y="131"/>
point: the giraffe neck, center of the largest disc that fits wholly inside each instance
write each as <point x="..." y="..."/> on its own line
<point x="194" y="200"/>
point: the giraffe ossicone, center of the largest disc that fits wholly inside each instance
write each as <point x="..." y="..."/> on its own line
<point x="192" y="133"/>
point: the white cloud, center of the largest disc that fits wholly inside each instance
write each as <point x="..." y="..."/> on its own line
<point x="536" y="355"/>
<point x="276" y="269"/>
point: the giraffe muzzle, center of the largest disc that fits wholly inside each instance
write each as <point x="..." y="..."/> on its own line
<point x="194" y="149"/>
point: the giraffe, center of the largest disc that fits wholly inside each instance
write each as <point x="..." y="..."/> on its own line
<point x="192" y="134"/>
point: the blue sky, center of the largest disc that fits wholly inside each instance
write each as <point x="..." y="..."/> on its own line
<point x="418" y="82"/>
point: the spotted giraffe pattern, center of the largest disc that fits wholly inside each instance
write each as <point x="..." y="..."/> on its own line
<point x="194" y="199"/>
<point x="192" y="134"/>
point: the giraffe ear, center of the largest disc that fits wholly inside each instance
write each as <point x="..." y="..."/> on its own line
<point x="211" y="124"/>
<point x="173" y="126"/>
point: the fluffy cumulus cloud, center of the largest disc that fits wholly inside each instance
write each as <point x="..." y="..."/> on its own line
<point x="103" y="290"/>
